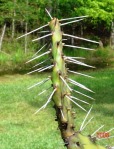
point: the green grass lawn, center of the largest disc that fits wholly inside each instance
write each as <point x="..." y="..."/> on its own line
<point x="21" y="129"/>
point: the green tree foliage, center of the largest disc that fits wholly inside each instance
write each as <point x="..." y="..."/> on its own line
<point x="99" y="11"/>
<point x="34" y="13"/>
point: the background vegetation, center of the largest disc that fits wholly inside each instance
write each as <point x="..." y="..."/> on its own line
<point x="23" y="16"/>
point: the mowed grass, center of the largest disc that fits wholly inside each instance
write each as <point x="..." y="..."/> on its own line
<point x="20" y="128"/>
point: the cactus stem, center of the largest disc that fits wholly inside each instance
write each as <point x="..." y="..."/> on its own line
<point x="73" y="18"/>
<point x="71" y="22"/>
<point x="48" y="67"/>
<point x="110" y="130"/>
<point x="80" y="38"/>
<point x="85" y="118"/>
<point x="86" y="124"/>
<point x="80" y="74"/>
<point x="79" y="100"/>
<point x="97" y="130"/>
<point x="39" y="83"/>
<point x="76" y="103"/>
<point x="42" y="37"/>
<point x="49" y="99"/>
<point x="39" y="50"/>
<point x="41" y="63"/>
<point x="83" y="94"/>
<point x="33" y="31"/>
<point x="48" y="13"/>
<point x="62" y="97"/>
<point x="65" y="83"/>
<point x="38" y="56"/>
<point x="78" y="47"/>
<point x="80" y="85"/>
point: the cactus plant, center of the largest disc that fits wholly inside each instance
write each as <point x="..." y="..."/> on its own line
<point x="62" y="92"/>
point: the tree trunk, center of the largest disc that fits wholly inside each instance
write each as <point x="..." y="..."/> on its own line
<point x="2" y="36"/>
<point x="112" y="37"/>
<point x="13" y="21"/>
<point x="26" y="28"/>
<point x="73" y="33"/>
<point x="81" y="30"/>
